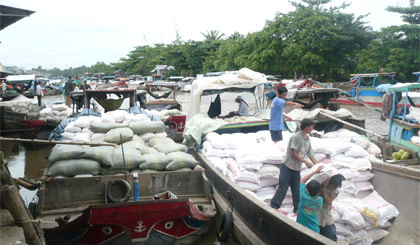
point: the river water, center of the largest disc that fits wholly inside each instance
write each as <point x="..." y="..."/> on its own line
<point x="24" y="161"/>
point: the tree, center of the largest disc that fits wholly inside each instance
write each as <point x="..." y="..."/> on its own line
<point x="213" y="35"/>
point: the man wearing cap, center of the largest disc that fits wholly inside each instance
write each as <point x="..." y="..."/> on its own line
<point x="242" y="110"/>
<point x="276" y="114"/>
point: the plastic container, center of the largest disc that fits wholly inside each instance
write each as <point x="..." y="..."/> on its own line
<point x="136" y="187"/>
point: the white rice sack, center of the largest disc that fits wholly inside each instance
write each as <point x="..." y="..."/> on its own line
<point x="107" y="118"/>
<point x="213" y="152"/>
<point x="72" y="128"/>
<point x="141" y="118"/>
<point x="219" y="163"/>
<point x="342" y="158"/>
<point x="118" y="115"/>
<point x="82" y="138"/>
<point x="218" y="142"/>
<point x="119" y="135"/>
<point x="129" y="118"/>
<point x="349" y="187"/>
<point x="336" y="216"/>
<point x="147" y="136"/>
<point x="94" y="119"/>
<point x="359" y="164"/>
<point x="288" y="211"/>
<point x="82" y="122"/>
<point x="363" y="186"/>
<point x="348" y="173"/>
<point x="342" y="229"/>
<point x="362" y="176"/>
<point x="319" y="156"/>
<point x="368" y="211"/>
<point x="97" y="138"/>
<point x="386" y="210"/>
<point x="374" y="150"/>
<point x="45" y="112"/>
<point x="269" y="169"/>
<point x="356" y="151"/>
<point x="59" y="107"/>
<point x="247" y="160"/>
<point x="321" y="146"/>
<point x="248" y="185"/>
<point x="138" y="139"/>
<point x="349" y="214"/>
<point x="206" y="147"/>
<point x="66" y="113"/>
<point x="248" y="176"/>
<point x="358" y="235"/>
<point x="268" y="181"/>
<point x="162" y="134"/>
<point x="376" y="234"/>
<point x="105" y="127"/>
<point x="68" y="135"/>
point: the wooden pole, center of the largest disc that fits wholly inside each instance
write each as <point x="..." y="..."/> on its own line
<point x="380" y="137"/>
<point x="54" y="142"/>
<point x="364" y="104"/>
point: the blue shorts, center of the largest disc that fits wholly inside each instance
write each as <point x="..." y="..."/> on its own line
<point x="276" y="135"/>
<point x="329" y="231"/>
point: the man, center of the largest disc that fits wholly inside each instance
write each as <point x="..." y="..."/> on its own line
<point x="39" y="93"/>
<point x="242" y="110"/>
<point x="276" y="114"/>
<point x="329" y="192"/>
<point x="3" y="88"/>
<point x="310" y="203"/>
<point x="299" y="146"/>
<point x="77" y="82"/>
<point x="85" y="84"/>
<point x="68" y="88"/>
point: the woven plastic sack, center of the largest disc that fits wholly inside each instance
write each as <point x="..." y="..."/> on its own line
<point x="65" y="152"/>
<point x="159" y="140"/>
<point x="132" y="158"/>
<point x="70" y="168"/>
<point x="138" y="139"/>
<point x="119" y="135"/>
<point x="180" y="160"/>
<point x="148" y="127"/>
<point x="157" y="161"/>
<point x="102" y="154"/>
<point x="108" y="171"/>
<point x="105" y="127"/>
<point x="170" y="147"/>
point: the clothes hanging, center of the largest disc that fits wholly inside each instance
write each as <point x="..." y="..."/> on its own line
<point x="215" y="108"/>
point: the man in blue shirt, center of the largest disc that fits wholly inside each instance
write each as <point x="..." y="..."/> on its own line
<point x="310" y="203"/>
<point x="276" y="114"/>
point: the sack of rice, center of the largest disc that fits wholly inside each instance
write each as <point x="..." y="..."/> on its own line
<point x="132" y="159"/>
<point x="140" y="147"/>
<point x="147" y="127"/>
<point x="82" y="122"/>
<point x="102" y="154"/>
<point x="59" y="107"/>
<point x="147" y="136"/>
<point x="157" y="161"/>
<point x="70" y="168"/>
<point x="97" y="138"/>
<point x="105" y="127"/>
<point x="82" y="138"/>
<point x="180" y="160"/>
<point x="159" y="140"/>
<point x="138" y="139"/>
<point x="170" y="147"/>
<point x="65" y="152"/>
<point x="119" y="135"/>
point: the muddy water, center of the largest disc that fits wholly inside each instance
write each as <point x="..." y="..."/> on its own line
<point x="23" y="160"/>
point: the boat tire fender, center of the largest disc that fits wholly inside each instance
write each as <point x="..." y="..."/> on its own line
<point x="122" y="183"/>
<point x="225" y="227"/>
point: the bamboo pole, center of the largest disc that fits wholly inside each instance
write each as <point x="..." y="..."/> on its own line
<point x="364" y="104"/>
<point x="54" y="142"/>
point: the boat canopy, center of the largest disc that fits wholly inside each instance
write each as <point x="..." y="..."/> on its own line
<point x="20" y="78"/>
<point x="403" y="87"/>
<point x="373" y="74"/>
<point x="245" y="80"/>
<point x="9" y="15"/>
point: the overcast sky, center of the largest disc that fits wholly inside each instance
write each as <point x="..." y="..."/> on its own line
<point x="72" y="33"/>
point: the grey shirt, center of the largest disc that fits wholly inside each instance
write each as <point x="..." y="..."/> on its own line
<point x="303" y="148"/>
<point x="324" y="217"/>
<point x="243" y="109"/>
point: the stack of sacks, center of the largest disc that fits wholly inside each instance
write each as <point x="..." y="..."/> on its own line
<point x="59" y="111"/>
<point x="252" y="161"/>
<point x="144" y="145"/>
<point x="165" y="113"/>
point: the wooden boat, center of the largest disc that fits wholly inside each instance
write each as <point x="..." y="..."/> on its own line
<point x="148" y="221"/>
<point x="27" y="124"/>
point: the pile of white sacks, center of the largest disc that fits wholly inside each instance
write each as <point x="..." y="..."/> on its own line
<point x="252" y="161"/>
<point x="59" y="111"/>
<point x="141" y="146"/>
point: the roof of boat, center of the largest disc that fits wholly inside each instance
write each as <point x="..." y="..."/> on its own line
<point x="373" y="74"/>
<point x="317" y="90"/>
<point x="402" y="87"/>
<point x="9" y="15"/>
<point x="18" y="78"/>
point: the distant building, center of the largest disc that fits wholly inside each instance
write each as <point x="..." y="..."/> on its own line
<point x="161" y="69"/>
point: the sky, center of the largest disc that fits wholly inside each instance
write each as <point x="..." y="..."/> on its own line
<point x="73" y="33"/>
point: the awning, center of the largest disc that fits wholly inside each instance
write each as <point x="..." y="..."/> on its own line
<point x="9" y="15"/>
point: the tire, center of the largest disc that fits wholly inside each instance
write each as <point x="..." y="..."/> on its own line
<point x="121" y="182"/>
<point x="225" y="227"/>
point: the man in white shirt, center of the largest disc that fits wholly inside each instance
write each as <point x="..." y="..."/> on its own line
<point x="3" y="88"/>
<point x="39" y="93"/>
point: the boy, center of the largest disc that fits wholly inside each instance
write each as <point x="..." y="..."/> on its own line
<point x="310" y="203"/>
<point x="329" y="192"/>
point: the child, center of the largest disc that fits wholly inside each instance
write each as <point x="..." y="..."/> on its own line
<point x="310" y="203"/>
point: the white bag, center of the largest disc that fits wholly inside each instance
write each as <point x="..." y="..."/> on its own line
<point x="356" y="151"/>
<point x="376" y="234"/>
<point x="386" y="210"/>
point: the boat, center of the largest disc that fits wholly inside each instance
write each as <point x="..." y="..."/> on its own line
<point x="366" y="88"/>
<point x="83" y="217"/>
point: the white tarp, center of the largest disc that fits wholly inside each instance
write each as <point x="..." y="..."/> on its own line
<point x="245" y="78"/>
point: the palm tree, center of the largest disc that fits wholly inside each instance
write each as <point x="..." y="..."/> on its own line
<point x="213" y="35"/>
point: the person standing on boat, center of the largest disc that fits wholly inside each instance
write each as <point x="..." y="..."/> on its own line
<point x="299" y="146"/>
<point x="68" y="88"/>
<point x="276" y="125"/>
<point x="39" y="93"/>
<point x="3" y="88"/>
<point x="77" y="82"/>
<point x="329" y="192"/>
